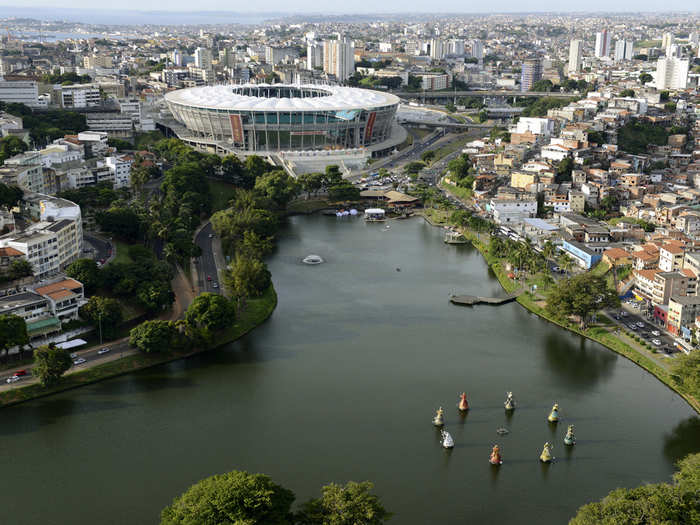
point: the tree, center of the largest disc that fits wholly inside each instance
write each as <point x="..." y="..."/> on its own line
<point x="210" y="312"/>
<point x="13" y="332"/>
<point x="236" y="497"/>
<point x="155" y="296"/>
<point x="11" y="146"/>
<point x="564" y="169"/>
<point x="254" y="246"/>
<point x="103" y="312"/>
<point x="544" y="85"/>
<point x="645" y="78"/>
<point x="627" y="93"/>
<point x="256" y="166"/>
<point x="311" y="182"/>
<point x="155" y="336"/>
<point x="352" y="504"/>
<point x="277" y="186"/>
<point x="686" y="373"/>
<point x="50" y="363"/>
<point x="343" y="191"/>
<point x="459" y="166"/>
<point x="10" y="195"/>
<point x="483" y="116"/>
<point x="414" y="167"/>
<point x="140" y="175"/>
<point x="85" y="271"/>
<point x="247" y="277"/>
<point x="659" y="503"/>
<point x="581" y="296"/>
<point x="427" y="156"/>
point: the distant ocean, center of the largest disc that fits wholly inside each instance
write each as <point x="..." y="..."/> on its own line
<point x="126" y="17"/>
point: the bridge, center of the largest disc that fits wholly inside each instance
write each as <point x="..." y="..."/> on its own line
<point x="447" y="125"/>
<point x="489" y="93"/>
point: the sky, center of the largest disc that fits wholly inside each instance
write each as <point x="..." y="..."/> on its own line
<point x="368" y="6"/>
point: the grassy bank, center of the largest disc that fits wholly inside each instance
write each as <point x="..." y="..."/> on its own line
<point x="256" y="312"/>
<point x="307" y="206"/>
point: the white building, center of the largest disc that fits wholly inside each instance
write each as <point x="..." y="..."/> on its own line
<point x="339" y="58"/>
<point x="114" y="124"/>
<point x="624" y="50"/>
<point x="29" y="177"/>
<point x="202" y="58"/>
<point x="20" y="92"/>
<point x="555" y="152"/>
<point x="506" y="211"/>
<point x="535" y="125"/>
<point x="575" y="56"/>
<point x="121" y="167"/>
<point x="477" y="49"/>
<point x="455" y="47"/>
<point x="671" y="73"/>
<point x="602" y="44"/>
<point x="79" y="96"/>
<point x="437" y="49"/>
<point x="314" y="55"/>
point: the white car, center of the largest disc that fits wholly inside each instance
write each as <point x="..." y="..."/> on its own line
<point x="13" y="379"/>
<point x="640" y="325"/>
<point x="79" y="361"/>
<point x="623" y="313"/>
<point x="656" y="333"/>
<point x="103" y="351"/>
<point x="74" y="355"/>
<point x="656" y="342"/>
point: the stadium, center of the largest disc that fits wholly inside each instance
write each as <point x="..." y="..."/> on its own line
<point x="284" y="117"/>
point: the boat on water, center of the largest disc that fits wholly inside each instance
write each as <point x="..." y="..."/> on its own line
<point x="569" y="439"/>
<point x="509" y="403"/>
<point x="446" y="439"/>
<point x="454" y="237"/>
<point x="375" y="215"/>
<point x="546" y="456"/>
<point x="502" y="431"/>
<point x="553" y="416"/>
<point x="495" y="458"/>
<point x="439" y="419"/>
<point x="463" y="404"/>
<point x="312" y="259"/>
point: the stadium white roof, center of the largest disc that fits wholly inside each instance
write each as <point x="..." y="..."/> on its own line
<point x="223" y="97"/>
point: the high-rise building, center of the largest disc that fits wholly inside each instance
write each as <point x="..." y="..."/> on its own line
<point x="575" y="56"/>
<point x="339" y="58"/>
<point x="530" y="73"/>
<point x="314" y="55"/>
<point x="602" y="44"/>
<point x="202" y="58"/>
<point x="624" y="50"/>
<point x="176" y="57"/>
<point x="671" y="73"/>
<point x="477" y="49"/>
<point x="437" y="49"/>
<point x="455" y="47"/>
<point x="666" y="43"/>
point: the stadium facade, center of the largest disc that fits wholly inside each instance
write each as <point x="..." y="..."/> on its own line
<point x="284" y="117"/>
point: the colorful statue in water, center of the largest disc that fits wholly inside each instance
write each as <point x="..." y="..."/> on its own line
<point x="546" y="456"/>
<point x="554" y="414"/>
<point x="496" y="458"/>
<point x="439" y="420"/>
<point x="510" y="402"/>
<point x="463" y="405"/>
<point x="569" y="439"/>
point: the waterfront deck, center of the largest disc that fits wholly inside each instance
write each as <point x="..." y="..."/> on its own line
<point x="471" y="300"/>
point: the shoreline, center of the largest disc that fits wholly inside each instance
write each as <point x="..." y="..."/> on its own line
<point x="627" y="351"/>
<point x="259" y="310"/>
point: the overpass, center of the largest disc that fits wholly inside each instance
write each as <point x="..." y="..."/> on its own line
<point x="490" y="93"/>
<point x="456" y="126"/>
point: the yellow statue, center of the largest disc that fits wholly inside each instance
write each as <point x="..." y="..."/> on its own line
<point x="546" y="456"/>
<point x="554" y="414"/>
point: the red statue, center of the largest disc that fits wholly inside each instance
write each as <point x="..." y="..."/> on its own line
<point x="463" y="405"/>
<point x="496" y="458"/>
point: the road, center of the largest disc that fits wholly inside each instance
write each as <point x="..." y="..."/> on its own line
<point x="489" y="93"/>
<point x="632" y="316"/>
<point x="206" y="263"/>
<point x="117" y="350"/>
<point x="103" y="249"/>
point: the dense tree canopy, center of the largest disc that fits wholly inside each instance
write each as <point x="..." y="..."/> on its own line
<point x="277" y="186"/>
<point x="210" y="312"/>
<point x="50" y="363"/>
<point x="87" y="272"/>
<point x="155" y="336"/>
<point x="581" y="295"/>
<point x="13" y="332"/>
<point x="636" y="135"/>
<point x="10" y="195"/>
<point x="103" y="312"/>
<point x="661" y="503"/>
<point x="234" y="498"/>
<point x="247" y="277"/>
<point x="686" y="373"/>
<point x="11" y="146"/>
<point x="352" y="504"/>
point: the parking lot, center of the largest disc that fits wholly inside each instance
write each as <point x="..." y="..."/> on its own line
<point x="634" y="320"/>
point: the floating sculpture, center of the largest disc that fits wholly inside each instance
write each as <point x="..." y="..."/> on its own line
<point x="463" y="405"/>
<point x="439" y="420"/>
<point x="496" y="458"/>
<point x="546" y="456"/>
<point x="554" y="414"/>
<point x="569" y="439"/>
<point x="446" y="441"/>
<point x="509" y="402"/>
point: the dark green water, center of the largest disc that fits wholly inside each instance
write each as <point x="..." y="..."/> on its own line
<point x="341" y="384"/>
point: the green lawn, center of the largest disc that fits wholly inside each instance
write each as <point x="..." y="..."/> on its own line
<point x="307" y="206"/>
<point x="221" y="193"/>
<point x="122" y="252"/>
<point x="647" y="43"/>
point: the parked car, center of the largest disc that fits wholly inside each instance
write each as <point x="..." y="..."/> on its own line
<point x="80" y="361"/>
<point x="656" y="333"/>
<point x="656" y="342"/>
<point x="211" y="235"/>
<point x="632" y="326"/>
<point x="20" y="373"/>
<point x="74" y="355"/>
<point x="103" y="350"/>
<point x="208" y="277"/>
<point x="640" y="325"/>
<point x="215" y="285"/>
<point x="623" y="314"/>
<point x="13" y="379"/>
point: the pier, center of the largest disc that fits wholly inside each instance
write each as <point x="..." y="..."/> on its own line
<point x="471" y="300"/>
